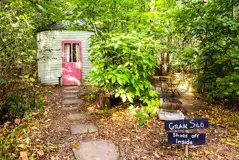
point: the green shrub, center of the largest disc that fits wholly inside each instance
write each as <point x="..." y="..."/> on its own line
<point x="209" y="46"/>
<point x="122" y="64"/>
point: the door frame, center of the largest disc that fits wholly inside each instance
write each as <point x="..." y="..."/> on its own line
<point x="63" y="55"/>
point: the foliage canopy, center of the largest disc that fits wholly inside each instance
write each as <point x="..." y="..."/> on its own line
<point x="196" y="36"/>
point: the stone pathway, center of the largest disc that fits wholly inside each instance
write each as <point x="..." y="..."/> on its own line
<point x="90" y="150"/>
<point x="70" y="108"/>
<point x="83" y="128"/>
<point x="97" y="150"/>
<point x="72" y="101"/>
<point x="70" y="95"/>
<point x="77" y="116"/>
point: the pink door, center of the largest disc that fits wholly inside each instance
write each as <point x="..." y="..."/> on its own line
<point x="71" y="62"/>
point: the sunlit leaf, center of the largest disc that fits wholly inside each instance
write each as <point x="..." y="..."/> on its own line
<point x="41" y="8"/>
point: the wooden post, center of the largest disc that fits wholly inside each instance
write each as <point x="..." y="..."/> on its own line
<point x="186" y="146"/>
<point x="186" y="150"/>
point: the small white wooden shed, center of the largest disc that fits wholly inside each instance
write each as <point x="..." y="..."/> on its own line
<point x="63" y="56"/>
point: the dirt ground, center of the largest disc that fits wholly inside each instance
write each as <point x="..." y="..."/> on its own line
<point x="52" y="139"/>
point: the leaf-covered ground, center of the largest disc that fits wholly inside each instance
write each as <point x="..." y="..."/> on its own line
<point x="51" y="139"/>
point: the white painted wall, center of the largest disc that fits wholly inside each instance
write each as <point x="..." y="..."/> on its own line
<point x="49" y="53"/>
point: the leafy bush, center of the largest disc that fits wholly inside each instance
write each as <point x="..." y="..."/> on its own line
<point x="210" y="46"/>
<point x="90" y="96"/>
<point x="122" y="64"/>
<point x="20" y="22"/>
<point x="20" y="95"/>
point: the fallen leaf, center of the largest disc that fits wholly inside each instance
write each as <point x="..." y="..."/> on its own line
<point x="40" y="152"/>
<point x="48" y="120"/>
<point x="24" y="155"/>
<point x="156" y="155"/>
<point x="107" y="94"/>
<point x="126" y="139"/>
<point x="11" y="140"/>
<point x="230" y="143"/>
<point x="220" y="125"/>
<point x="34" y="128"/>
<point x="17" y="121"/>
<point x="54" y="158"/>
<point x="89" y="131"/>
<point x="76" y="146"/>
<point x="23" y="146"/>
<point x="206" y="152"/>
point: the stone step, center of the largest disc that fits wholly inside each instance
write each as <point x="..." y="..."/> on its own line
<point x="77" y="116"/>
<point x="82" y="93"/>
<point x="69" y="91"/>
<point x="97" y="150"/>
<point x="72" y="101"/>
<point x="70" y="95"/>
<point x="71" y="88"/>
<point x="70" y="108"/>
<point x="83" y="128"/>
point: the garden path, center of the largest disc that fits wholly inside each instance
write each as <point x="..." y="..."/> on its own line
<point x="91" y="149"/>
<point x="118" y="127"/>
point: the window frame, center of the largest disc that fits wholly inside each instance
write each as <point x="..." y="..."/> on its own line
<point x="71" y="42"/>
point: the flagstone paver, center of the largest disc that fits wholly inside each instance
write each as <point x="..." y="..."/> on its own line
<point x="71" y="88"/>
<point x="97" y="150"/>
<point x="83" y="128"/>
<point x="72" y="101"/>
<point x="65" y="91"/>
<point x="82" y="93"/>
<point x="75" y="108"/>
<point x="77" y="116"/>
<point x="71" y="95"/>
<point x="91" y="150"/>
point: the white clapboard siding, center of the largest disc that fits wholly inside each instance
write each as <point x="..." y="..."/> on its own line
<point x="50" y="53"/>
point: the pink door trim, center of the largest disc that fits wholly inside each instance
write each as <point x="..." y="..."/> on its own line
<point x="72" y="69"/>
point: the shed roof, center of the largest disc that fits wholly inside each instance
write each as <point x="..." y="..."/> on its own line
<point x="64" y="24"/>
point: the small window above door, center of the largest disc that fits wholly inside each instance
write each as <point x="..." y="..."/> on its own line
<point x="71" y="51"/>
<point x="76" y="52"/>
<point x="67" y="52"/>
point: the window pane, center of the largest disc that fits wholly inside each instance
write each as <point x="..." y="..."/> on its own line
<point x="67" y="52"/>
<point x="76" y="52"/>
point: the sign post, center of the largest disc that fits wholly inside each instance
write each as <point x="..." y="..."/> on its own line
<point x="186" y="138"/>
<point x="186" y="149"/>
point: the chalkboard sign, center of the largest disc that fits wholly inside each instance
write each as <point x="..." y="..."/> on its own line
<point x="186" y="124"/>
<point x="186" y="138"/>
